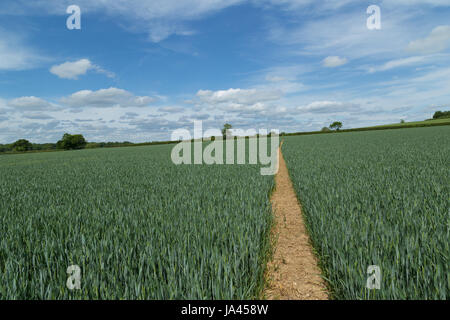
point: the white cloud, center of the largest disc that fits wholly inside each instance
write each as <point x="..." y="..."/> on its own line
<point x="329" y="107"/>
<point x="72" y="70"/>
<point x="171" y="109"/>
<point x="437" y="41"/>
<point x="29" y="104"/>
<point x="104" y="98"/>
<point x="334" y="61"/>
<point x="239" y="96"/>
<point x="259" y="106"/>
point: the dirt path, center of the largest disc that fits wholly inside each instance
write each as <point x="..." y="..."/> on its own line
<point x="293" y="273"/>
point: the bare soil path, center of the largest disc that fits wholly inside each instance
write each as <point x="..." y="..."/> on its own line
<point x="293" y="273"/>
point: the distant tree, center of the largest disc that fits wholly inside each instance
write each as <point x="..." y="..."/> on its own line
<point x="336" y="125"/>
<point x="71" y="141"/>
<point x="441" y="115"/>
<point x="22" y="145"/>
<point x="437" y="114"/>
<point x="402" y="121"/>
<point x="5" y="147"/>
<point x="325" y="129"/>
<point x="225" y="129"/>
<point x="92" y="145"/>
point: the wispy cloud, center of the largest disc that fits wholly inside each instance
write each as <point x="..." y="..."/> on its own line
<point x="15" y="54"/>
<point x="160" y="19"/>
<point x="399" y="63"/>
<point x="437" y="41"/>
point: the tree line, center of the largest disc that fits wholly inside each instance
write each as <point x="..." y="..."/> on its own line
<point x="441" y="115"/>
<point x="69" y="142"/>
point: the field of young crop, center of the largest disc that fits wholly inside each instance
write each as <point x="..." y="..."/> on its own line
<point x="377" y="198"/>
<point x="137" y="225"/>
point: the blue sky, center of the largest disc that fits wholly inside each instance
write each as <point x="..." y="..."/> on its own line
<point x="138" y="70"/>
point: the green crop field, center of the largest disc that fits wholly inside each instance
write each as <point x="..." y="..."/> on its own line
<point x="377" y="198"/>
<point x="140" y="227"/>
<point x="417" y="123"/>
<point x="137" y="225"/>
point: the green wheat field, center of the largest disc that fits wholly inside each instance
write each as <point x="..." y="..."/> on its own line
<point x="141" y="227"/>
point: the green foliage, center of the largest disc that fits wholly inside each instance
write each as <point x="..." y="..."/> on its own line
<point x="22" y="145"/>
<point x="70" y="142"/>
<point x="441" y="115"/>
<point x="325" y="129"/>
<point x="336" y="125"/>
<point x="7" y="148"/>
<point x="137" y="225"/>
<point x="377" y="198"/>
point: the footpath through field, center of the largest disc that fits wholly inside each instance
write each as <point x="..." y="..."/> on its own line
<point x="293" y="273"/>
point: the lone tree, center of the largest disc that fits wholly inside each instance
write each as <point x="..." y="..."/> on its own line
<point x="22" y="145"/>
<point x="336" y="125"/>
<point x="225" y="129"/>
<point x="71" y="142"/>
